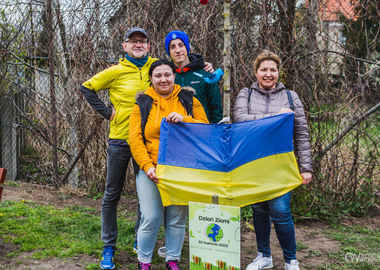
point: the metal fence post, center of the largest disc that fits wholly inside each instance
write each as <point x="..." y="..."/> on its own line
<point x="8" y="137"/>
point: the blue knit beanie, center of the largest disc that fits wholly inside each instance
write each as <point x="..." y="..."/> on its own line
<point x="174" y="35"/>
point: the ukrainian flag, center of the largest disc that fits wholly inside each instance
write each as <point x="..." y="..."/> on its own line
<point x="241" y="163"/>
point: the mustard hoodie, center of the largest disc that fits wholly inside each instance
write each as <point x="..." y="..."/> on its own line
<point x="146" y="154"/>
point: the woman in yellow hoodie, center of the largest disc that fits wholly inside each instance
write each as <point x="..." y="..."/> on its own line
<point x="162" y="99"/>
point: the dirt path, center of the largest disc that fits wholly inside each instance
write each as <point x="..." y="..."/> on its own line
<point x="315" y="245"/>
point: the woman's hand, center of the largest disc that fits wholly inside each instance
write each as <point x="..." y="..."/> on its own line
<point x="284" y="110"/>
<point x="151" y="173"/>
<point x="174" y="118"/>
<point x="113" y="114"/>
<point x="209" y="68"/>
<point x="306" y="177"/>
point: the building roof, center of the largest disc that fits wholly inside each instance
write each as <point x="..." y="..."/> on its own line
<point x="331" y="10"/>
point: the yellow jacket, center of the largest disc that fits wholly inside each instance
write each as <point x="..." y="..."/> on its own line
<point x="123" y="81"/>
<point x="146" y="154"/>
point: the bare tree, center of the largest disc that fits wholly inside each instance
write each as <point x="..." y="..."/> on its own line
<point x="330" y="55"/>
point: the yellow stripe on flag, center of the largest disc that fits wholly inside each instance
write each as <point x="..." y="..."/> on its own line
<point x="260" y="180"/>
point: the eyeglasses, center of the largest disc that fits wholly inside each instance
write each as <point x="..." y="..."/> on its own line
<point x="134" y="42"/>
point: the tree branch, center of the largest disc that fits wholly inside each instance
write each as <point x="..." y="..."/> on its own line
<point x="98" y="122"/>
<point x="344" y="132"/>
<point x="344" y="54"/>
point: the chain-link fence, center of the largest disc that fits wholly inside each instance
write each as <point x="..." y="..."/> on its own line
<point x="330" y="51"/>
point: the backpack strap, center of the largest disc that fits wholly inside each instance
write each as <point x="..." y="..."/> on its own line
<point x="186" y="99"/>
<point x="145" y="103"/>
<point x="291" y="104"/>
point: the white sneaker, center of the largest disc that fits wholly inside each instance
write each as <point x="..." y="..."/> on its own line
<point x="293" y="265"/>
<point x="260" y="263"/>
<point x="162" y="252"/>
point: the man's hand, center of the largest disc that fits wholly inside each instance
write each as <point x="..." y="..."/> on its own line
<point x="113" y="114"/>
<point x="151" y="173"/>
<point x="209" y="68"/>
<point x="306" y="177"/>
<point x="174" y="118"/>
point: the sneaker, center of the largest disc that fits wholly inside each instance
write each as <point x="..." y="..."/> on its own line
<point x="107" y="259"/>
<point x="135" y="249"/>
<point x="172" y="265"/>
<point x="162" y="252"/>
<point x="293" y="265"/>
<point x="144" y="266"/>
<point x="260" y="263"/>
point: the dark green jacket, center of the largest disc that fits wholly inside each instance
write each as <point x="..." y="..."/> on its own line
<point x="207" y="94"/>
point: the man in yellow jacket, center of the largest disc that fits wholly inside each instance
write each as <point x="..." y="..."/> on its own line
<point x="122" y="81"/>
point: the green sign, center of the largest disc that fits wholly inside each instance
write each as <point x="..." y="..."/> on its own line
<point x="214" y="237"/>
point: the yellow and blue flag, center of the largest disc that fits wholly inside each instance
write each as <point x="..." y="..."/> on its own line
<point x="241" y="163"/>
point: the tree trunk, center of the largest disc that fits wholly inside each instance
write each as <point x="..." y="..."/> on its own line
<point x="227" y="60"/>
<point x="312" y="47"/>
<point x="286" y="12"/>
<point x="53" y="117"/>
<point x="265" y="42"/>
<point x="72" y="136"/>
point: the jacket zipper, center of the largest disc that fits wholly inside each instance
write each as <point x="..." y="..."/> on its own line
<point x="141" y="80"/>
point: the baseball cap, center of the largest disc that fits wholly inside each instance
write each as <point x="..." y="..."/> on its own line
<point x="134" y="30"/>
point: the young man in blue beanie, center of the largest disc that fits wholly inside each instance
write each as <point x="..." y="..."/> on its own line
<point x="178" y="48"/>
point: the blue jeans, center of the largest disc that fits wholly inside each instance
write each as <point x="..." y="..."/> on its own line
<point x="117" y="163"/>
<point x="152" y="215"/>
<point x="279" y="210"/>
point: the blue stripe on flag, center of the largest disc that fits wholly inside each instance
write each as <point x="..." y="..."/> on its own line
<point x="224" y="147"/>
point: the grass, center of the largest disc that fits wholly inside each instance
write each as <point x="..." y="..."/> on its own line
<point x="46" y="231"/>
<point x="52" y="232"/>
<point x="360" y="248"/>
